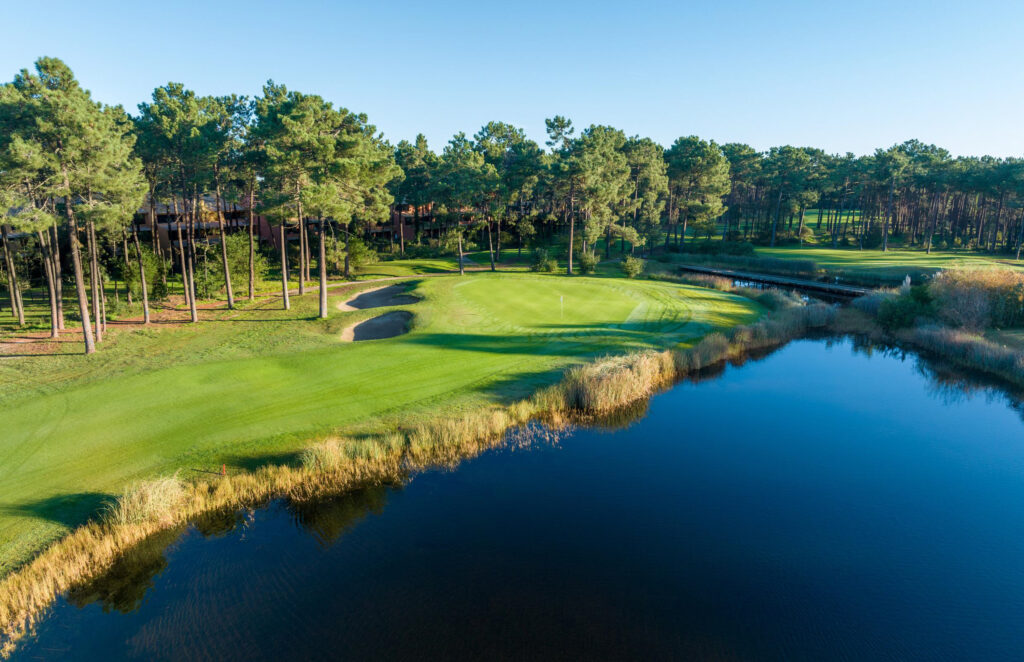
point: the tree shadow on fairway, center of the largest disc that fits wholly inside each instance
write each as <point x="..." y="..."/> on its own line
<point x="254" y="462"/>
<point x="66" y="509"/>
<point x="556" y="339"/>
<point x="236" y="320"/>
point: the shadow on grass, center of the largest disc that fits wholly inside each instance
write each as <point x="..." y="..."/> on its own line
<point x="4" y="355"/>
<point x="67" y="509"/>
<point x="254" y="462"/>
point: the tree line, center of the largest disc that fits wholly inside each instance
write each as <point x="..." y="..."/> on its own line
<point x="74" y="174"/>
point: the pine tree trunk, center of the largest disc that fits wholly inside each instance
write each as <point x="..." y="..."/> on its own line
<point x="252" y="244"/>
<point x="57" y="276"/>
<point x="51" y="290"/>
<point x="348" y="256"/>
<point x="302" y="243"/>
<point x="76" y="261"/>
<point x="284" y="267"/>
<point x="223" y="242"/>
<point x="190" y="262"/>
<point x="322" y="268"/>
<point x="142" y="274"/>
<point x="401" y="234"/>
<point x="490" y="245"/>
<point x="775" y="219"/>
<point x="888" y="216"/>
<point x="90" y="237"/>
<point x="17" y="309"/>
<point x="572" y="227"/>
<point x="1020" y="235"/>
<point x="181" y="256"/>
<point x="462" y="269"/>
<point x="497" y="247"/>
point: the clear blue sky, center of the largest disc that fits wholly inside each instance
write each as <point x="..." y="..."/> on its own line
<point x="847" y="76"/>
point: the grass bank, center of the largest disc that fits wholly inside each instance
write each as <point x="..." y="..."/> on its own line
<point x="252" y="387"/>
<point x="337" y="464"/>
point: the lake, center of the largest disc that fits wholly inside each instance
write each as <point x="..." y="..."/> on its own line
<point x="825" y="502"/>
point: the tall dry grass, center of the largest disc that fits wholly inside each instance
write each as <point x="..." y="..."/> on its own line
<point x="615" y="382"/>
<point x="968" y="350"/>
<point x="979" y="297"/>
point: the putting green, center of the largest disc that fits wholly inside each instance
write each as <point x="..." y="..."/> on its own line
<point x="254" y="386"/>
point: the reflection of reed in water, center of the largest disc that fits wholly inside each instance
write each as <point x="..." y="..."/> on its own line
<point x="328" y="519"/>
<point x="123" y="586"/>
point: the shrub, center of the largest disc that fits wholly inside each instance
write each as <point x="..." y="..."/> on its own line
<point x="543" y="262"/>
<point x="905" y="310"/>
<point x="977" y="298"/>
<point x="155" y="288"/>
<point x="360" y="254"/>
<point x="587" y="262"/>
<point x="633" y="266"/>
<point x="209" y="272"/>
<point x="872" y="302"/>
<point x="776" y="299"/>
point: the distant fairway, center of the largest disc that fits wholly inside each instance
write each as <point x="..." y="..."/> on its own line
<point x="253" y="386"/>
<point x="894" y="263"/>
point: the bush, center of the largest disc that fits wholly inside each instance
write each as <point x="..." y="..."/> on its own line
<point x="872" y="302"/>
<point x="360" y="254"/>
<point x="542" y="262"/>
<point x="587" y="262"/>
<point x="905" y="310"/>
<point x="209" y="272"/>
<point x="633" y="266"/>
<point x="155" y="288"/>
<point x="977" y="298"/>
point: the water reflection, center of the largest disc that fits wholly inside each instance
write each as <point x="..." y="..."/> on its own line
<point x="123" y="587"/>
<point x="327" y="520"/>
<point x="836" y="501"/>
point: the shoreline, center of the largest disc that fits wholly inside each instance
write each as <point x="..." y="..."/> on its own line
<point x="338" y="464"/>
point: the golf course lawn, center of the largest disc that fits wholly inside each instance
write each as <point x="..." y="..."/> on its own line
<point x="892" y="264"/>
<point x="254" y="385"/>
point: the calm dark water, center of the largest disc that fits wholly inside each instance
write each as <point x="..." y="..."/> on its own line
<point x="821" y="503"/>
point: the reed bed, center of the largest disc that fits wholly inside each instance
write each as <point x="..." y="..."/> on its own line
<point x="968" y="350"/>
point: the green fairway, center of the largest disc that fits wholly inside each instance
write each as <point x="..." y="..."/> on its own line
<point x="889" y="265"/>
<point x="253" y="386"/>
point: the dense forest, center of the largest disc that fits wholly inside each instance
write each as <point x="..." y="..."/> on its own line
<point x="78" y="179"/>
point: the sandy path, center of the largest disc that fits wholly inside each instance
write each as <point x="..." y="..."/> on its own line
<point x="387" y="325"/>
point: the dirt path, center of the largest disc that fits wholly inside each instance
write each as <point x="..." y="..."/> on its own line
<point x="387" y="325"/>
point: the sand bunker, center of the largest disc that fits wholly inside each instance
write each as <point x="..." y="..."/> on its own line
<point x="391" y="295"/>
<point x="387" y="325"/>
